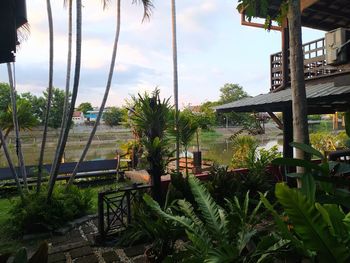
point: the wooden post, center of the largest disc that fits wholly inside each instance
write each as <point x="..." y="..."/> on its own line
<point x="335" y="121"/>
<point x="287" y="117"/>
<point x="285" y="55"/>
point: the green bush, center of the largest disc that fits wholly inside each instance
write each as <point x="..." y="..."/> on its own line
<point x="36" y="214"/>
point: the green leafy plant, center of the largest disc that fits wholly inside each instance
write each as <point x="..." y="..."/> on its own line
<point x="216" y="234"/>
<point x="35" y="214"/>
<point x="187" y="129"/>
<point x="150" y="119"/>
<point x="320" y="181"/>
<point x="319" y="232"/>
<point x="242" y="145"/>
<point x="21" y="256"/>
<point x="149" y="227"/>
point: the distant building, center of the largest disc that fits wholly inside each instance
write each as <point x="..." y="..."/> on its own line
<point x="91" y="115"/>
<point x="78" y="117"/>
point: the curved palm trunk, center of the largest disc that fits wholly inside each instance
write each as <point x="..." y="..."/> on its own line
<point x="23" y="171"/>
<point x="49" y="95"/>
<point x="176" y="88"/>
<point x="105" y="97"/>
<point x="68" y="75"/>
<point x="56" y="165"/>
<point x="10" y="163"/>
<point x="299" y="103"/>
<point x="5" y="136"/>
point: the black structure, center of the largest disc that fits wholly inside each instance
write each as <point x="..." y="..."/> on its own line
<point x="13" y="15"/>
<point x="114" y="209"/>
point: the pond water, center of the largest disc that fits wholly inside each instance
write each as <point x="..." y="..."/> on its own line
<point x="214" y="146"/>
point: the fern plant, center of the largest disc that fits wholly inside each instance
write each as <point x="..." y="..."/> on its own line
<point x="216" y="234"/>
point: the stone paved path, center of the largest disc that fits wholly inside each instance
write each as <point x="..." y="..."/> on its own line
<point x="78" y="246"/>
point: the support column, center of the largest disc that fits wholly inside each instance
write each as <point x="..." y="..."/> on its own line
<point x="285" y="55"/>
<point x="287" y="132"/>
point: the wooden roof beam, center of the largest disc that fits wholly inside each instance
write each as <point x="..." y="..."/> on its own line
<point x="307" y="3"/>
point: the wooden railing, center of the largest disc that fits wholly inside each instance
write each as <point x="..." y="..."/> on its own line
<point x="315" y="65"/>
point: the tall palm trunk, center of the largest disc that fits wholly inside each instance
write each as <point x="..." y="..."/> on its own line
<point x="49" y="94"/>
<point x="68" y="74"/>
<point x="10" y="163"/>
<point x="56" y="165"/>
<point x="19" y="152"/>
<point x="105" y="97"/>
<point x="299" y="103"/>
<point x="176" y="85"/>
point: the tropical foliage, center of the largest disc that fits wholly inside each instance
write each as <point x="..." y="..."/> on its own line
<point x="187" y="128"/>
<point x="216" y="234"/>
<point x="35" y="214"/>
<point x="150" y="119"/>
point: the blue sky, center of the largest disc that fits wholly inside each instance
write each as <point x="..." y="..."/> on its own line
<point x="213" y="49"/>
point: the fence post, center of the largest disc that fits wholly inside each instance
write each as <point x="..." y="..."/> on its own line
<point x="128" y="205"/>
<point x="101" y="227"/>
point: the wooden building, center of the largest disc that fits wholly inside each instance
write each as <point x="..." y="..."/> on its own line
<point x="326" y="66"/>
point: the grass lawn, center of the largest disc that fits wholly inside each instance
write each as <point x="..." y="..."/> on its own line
<point x="9" y="245"/>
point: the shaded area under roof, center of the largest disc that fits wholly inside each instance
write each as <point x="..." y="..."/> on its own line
<point x="319" y="14"/>
<point x="321" y="99"/>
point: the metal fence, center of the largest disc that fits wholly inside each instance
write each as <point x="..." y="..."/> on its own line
<point x="114" y="208"/>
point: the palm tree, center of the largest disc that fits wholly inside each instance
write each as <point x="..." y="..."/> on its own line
<point x="299" y="103"/>
<point x="26" y="119"/>
<point x="60" y="148"/>
<point x="68" y="75"/>
<point x="16" y="127"/>
<point x="176" y="86"/>
<point x="10" y="163"/>
<point x="49" y="91"/>
<point x="147" y="4"/>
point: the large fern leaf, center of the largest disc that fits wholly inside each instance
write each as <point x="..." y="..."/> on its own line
<point x="309" y="225"/>
<point x="215" y="220"/>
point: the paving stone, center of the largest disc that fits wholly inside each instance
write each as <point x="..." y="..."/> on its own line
<point x="134" y="251"/>
<point x="75" y="233"/>
<point x="80" y="252"/>
<point x="110" y="256"/>
<point x="59" y="239"/>
<point x="88" y="229"/>
<point x="58" y="257"/>
<point x="88" y="259"/>
<point x="140" y="260"/>
<point x="66" y="247"/>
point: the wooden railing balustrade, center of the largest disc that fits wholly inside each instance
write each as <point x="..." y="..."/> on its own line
<point x="315" y="65"/>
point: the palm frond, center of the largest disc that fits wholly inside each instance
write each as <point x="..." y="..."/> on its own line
<point x="147" y="8"/>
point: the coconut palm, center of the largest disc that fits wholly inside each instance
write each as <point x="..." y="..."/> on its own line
<point x="23" y="171"/>
<point x="175" y="79"/>
<point x="147" y="4"/>
<point x="68" y="75"/>
<point x="60" y="148"/>
<point x="26" y="119"/>
<point x="299" y="104"/>
<point x="49" y="91"/>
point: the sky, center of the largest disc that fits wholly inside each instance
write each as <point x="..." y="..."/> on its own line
<point x="213" y="49"/>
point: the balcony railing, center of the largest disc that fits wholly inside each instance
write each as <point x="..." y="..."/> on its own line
<point x="315" y="65"/>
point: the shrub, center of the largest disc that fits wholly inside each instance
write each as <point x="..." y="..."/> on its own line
<point x="242" y="145"/>
<point x="36" y="214"/>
